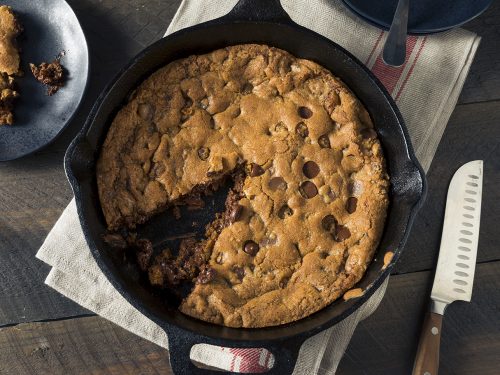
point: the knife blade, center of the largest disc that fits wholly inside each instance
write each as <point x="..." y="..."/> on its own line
<point x="456" y="264"/>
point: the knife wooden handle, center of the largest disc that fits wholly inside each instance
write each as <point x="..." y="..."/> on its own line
<point x="427" y="359"/>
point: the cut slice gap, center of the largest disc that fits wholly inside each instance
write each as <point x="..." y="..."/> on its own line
<point x="185" y="261"/>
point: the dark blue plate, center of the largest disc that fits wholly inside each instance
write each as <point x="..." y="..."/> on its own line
<point x="425" y="17"/>
<point x="50" y="26"/>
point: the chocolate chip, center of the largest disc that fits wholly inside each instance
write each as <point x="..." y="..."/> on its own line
<point x="310" y="169"/>
<point x="322" y="255"/>
<point x="342" y="233"/>
<point x="351" y="204"/>
<point x="115" y="240"/>
<point x="255" y="170"/>
<point x="235" y="214"/>
<point x="329" y="223"/>
<point x="277" y="183"/>
<point x="145" y="245"/>
<point x="213" y="173"/>
<point x="247" y="88"/>
<point x="305" y="112"/>
<point x="203" y="153"/>
<point x="151" y="129"/>
<point x="285" y="211"/>
<point x="251" y="248"/>
<point x="188" y="102"/>
<point x="283" y="282"/>
<point x="308" y="190"/>
<point x="145" y="111"/>
<point x="144" y="253"/>
<point x="280" y="126"/>
<point x="212" y="123"/>
<point x="239" y="271"/>
<point x="368" y="133"/>
<point x="176" y="211"/>
<point x="301" y="129"/>
<point x="206" y="275"/>
<point x="324" y="141"/>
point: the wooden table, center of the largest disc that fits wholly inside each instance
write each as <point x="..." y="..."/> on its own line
<point x="43" y="332"/>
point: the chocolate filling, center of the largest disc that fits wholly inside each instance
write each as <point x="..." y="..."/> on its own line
<point x="189" y="266"/>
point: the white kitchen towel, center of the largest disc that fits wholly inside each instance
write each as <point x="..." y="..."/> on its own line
<point x="425" y="88"/>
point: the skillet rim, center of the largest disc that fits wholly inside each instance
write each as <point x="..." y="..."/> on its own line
<point x="409" y="158"/>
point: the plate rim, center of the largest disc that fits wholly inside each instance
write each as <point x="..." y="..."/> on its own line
<point x="78" y="103"/>
<point x="374" y="22"/>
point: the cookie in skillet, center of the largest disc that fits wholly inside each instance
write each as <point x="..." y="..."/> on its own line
<point x="310" y="188"/>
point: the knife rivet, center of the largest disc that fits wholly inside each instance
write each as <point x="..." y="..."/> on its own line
<point x="434" y="330"/>
<point x="427" y="373"/>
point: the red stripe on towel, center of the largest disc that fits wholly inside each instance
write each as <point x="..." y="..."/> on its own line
<point x="390" y="75"/>
<point x="374" y="47"/>
<point x="411" y="69"/>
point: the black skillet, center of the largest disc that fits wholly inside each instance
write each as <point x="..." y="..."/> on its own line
<point x="261" y="21"/>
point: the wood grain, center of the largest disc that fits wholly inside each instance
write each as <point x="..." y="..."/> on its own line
<point x="472" y="133"/>
<point x="427" y="356"/>
<point x="386" y="342"/>
<point x="79" y="346"/>
<point x="32" y="196"/>
<point x="483" y="82"/>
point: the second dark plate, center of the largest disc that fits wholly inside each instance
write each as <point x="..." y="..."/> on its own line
<point x="425" y="17"/>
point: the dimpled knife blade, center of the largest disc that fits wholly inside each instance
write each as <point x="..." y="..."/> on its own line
<point x="456" y="263"/>
<point x="457" y="254"/>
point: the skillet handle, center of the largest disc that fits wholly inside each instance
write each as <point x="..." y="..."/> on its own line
<point x="258" y="10"/>
<point x="78" y="161"/>
<point x="180" y="343"/>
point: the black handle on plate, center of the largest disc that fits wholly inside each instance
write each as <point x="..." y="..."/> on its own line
<point x="258" y="10"/>
<point x="180" y="343"/>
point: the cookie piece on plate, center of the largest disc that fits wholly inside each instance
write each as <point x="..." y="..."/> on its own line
<point x="9" y="62"/>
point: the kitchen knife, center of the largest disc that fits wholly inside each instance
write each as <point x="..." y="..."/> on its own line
<point x="457" y="260"/>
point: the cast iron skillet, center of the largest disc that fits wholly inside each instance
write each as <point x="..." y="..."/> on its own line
<point x="261" y="21"/>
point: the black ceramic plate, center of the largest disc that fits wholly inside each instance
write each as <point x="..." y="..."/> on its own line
<point x="50" y="26"/>
<point x="425" y="17"/>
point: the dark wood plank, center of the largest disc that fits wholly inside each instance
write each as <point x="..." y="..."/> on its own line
<point x="483" y="82"/>
<point x="79" y="346"/>
<point x="32" y="196"/>
<point x="472" y="133"/>
<point x="385" y="343"/>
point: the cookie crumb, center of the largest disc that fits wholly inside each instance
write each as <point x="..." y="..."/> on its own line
<point x="353" y="293"/>
<point x="387" y="259"/>
<point x="50" y="74"/>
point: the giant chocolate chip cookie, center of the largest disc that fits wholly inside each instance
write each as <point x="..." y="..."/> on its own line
<point x="310" y="193"/>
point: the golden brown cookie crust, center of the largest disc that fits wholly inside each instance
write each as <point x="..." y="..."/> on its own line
<point x="315" y="206"/>
<point x="9" y="29"/>
<point x="9" y="63"/>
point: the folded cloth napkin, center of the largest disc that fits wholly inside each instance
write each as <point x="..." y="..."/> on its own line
<point x="425" y="88"/>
